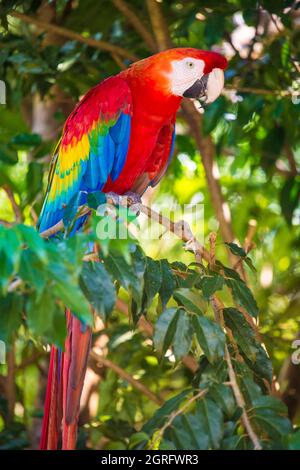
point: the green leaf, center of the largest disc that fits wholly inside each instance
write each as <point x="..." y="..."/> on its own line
<point x="210" y="284"/>
<point x="164" y="412"/>
<point x="249" y="262"/>
<point x="235" y="443"/>
<point x="242" y="332"/>
<point x="210" y="336"/>
<point x="190" y="300"/>
<point x="98" y="288"/>
<point x="183" y="335"/>
<point x="137" y="288"/>
<point x="120" y="269"/>
<point x="152" y="280"/>
<point x="289" y="198"/>
<point x="32" y="239"/>
<point x="239" y="251"/>
<point x="209" y="374"/>
<point x="131" y="277"/>
<point x="201" y="430"/>
<point x="10" y="250"/>
<point x="211" y="418"/>
<point x="187" y="433"/>
<point x="40" y="312"/>
<point x="10" y="316"/>
<point x="270" y="416"/>
<point x="34" y="180"/>
<point x="253" y="352"/>
<point x="293" y="440"/>
<point x="25" y="141"/>
<point x="73" y="298"/>
<point x="57" y="334"/>
<point x="167" y="282"/>
<point x="165" y="330"/>
<point x="243" y="296"/>
<point x="32" y="270"/>
<point x="262" y="365"/>
<point x="8" y="155"/>
<point x="223" y="396"/>
<point x="139" y="438"/>
<point x="236" y="250"/>
<point x="271" y="403"/>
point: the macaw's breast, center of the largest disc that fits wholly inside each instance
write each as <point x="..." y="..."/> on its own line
<point x="152" y="126"/>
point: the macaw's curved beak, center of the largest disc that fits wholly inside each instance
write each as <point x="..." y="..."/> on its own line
<point x="208" y="88"/>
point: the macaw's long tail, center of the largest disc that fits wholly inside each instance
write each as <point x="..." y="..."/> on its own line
<point x="65" y="381"/>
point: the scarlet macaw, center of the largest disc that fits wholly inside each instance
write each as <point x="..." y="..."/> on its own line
<point x="119" y="138"/>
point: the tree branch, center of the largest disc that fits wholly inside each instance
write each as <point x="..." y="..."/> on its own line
<point x="240" y="402"/>
<point x="291" y="159"/>
<point x="15" y="206"/>
<point x="159" y="26"/>
<point x="136" y="22"/>
<point x="67" y="33"/>
<point x="10" y="383"/>
<point x="260" y="91"/>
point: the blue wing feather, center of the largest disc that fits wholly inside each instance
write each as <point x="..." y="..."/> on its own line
<point x="108" y="148"/>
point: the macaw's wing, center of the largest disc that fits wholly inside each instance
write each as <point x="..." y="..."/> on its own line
<point x="93" y="147"/>
<point x="160" y="159"/>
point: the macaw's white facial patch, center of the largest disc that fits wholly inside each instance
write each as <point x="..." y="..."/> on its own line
<point x="184" y="73"/>
<point x="215" y="84"/>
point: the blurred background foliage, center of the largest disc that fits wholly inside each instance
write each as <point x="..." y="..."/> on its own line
<point x="248" y="147"/>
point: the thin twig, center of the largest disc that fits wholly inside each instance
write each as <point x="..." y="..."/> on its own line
<point x="240" y="402"/>
<point x="259" y="91"/>
<point x="15" y="206"/>
<point x="212" y="254"/>
<point x="159" y="25"/>
<point x="67" y="33"/>
<point x="82" y="210"/>
<point x="218" y="309"/>
<point x="28" y="361"/>
<point x="291" y="159"/>
<point x="168" y="423"/>
<point x="103" y="361"/>
<point x="10" y="383"/>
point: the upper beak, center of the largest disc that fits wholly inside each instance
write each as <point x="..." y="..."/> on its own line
<point x="208" y="87"/>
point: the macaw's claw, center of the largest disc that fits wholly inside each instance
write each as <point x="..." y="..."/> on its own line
<point x="129" y="199"/>
<point x="133" y="198"/>
<point x="113" y="198"/>
<point x="133" y="201"/>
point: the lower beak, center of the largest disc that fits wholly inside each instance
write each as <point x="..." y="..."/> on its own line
<point x="198" y="89"/>
<point x="208" y="87"/>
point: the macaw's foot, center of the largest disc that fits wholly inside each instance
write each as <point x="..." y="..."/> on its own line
<point x="133" y="201"/>
<point x="133" y="198"/>
<point x="113" y="198"/>
<point x="129" y="199"/>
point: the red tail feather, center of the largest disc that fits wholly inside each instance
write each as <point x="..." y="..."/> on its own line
<point x="65" y="382"/>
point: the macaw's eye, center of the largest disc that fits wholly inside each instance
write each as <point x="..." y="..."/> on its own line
<point x="190" y="65"/>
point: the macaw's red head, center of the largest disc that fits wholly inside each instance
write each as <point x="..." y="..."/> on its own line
<point x="185" y="72"/>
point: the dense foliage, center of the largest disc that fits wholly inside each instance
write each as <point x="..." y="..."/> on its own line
<point x="180" y="393"/>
